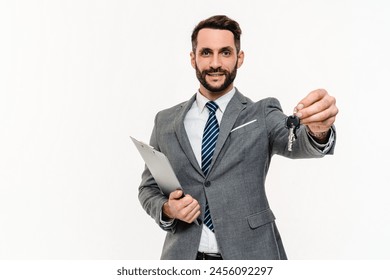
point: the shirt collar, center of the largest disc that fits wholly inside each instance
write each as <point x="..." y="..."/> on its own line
<point x="222" y="102"/>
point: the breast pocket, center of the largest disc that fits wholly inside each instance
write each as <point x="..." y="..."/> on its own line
<point x="245" y="127"/>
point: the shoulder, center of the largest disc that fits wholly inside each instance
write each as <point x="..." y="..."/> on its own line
<point x="265" y="102"/>
<point x="268" y="102"/>
<point x="172" y="110"/>
<point x="175" y="111"/>
<point x="266" y="105"/>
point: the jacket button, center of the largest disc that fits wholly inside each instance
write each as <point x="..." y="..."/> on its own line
<point x="207" y="184"/>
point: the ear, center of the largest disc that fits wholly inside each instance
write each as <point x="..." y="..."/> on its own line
<point x="240" y="59"/>
<point x="193" y="63"/>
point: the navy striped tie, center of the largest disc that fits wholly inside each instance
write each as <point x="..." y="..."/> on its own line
<point x="210" y="135"/>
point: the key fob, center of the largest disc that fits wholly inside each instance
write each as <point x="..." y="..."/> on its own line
<point x="292" y="122"/>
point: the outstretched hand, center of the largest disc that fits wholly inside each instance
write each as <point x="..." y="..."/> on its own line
<point x="317" y="111"/>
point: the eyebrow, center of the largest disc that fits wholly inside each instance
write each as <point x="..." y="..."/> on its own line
<point x="205" y="49"/>
<point x="228" y="48"/>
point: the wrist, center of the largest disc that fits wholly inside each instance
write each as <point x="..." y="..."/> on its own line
<point x="321" y="136"/>
<point x="166" y="211"/>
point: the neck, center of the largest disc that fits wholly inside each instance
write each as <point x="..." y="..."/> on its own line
<point x="214" y="95"/>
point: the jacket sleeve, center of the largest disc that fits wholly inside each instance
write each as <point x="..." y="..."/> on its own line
<point x="149" y="194"/>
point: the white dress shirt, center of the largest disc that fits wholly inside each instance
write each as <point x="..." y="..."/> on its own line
<point x="194" y="123"/>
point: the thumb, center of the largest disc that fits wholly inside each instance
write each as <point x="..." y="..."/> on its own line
<point x="176" y="194"/>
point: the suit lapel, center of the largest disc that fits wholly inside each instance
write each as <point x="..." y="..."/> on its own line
<point x="182" y="136"/>
<point x="233" y="110"/>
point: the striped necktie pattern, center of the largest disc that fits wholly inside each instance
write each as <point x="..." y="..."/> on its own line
<point x="210" y="135"/>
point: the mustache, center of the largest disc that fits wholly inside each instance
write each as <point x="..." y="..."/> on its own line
<point x="215" y="70"/>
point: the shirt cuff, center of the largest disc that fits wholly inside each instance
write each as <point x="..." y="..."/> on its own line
<point x="323" y="148"/>
<point x="166" y="223"/>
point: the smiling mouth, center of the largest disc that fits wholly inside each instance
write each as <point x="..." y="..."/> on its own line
<point x="215" y="74"/>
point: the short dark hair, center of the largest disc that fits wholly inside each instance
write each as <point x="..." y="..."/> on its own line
<point x="218" y="22"/>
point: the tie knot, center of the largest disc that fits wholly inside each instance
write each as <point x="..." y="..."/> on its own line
<point x="212" y="106"/>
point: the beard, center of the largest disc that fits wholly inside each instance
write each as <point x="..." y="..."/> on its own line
<point x="229" y="78"/>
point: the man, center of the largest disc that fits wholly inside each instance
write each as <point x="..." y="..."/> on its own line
<point x="221" y="151"/>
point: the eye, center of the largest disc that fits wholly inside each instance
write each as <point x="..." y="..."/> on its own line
<point x="226" y="53"/>
<point x="205" y="53"/>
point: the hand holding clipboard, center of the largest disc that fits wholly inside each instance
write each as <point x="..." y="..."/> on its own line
<point x="160" y="168"/>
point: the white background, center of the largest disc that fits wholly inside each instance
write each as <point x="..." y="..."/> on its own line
<point x="78" y="77"/>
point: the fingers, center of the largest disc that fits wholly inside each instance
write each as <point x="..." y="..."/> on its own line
<point x="312" y="98"/>
<point x="318" y="110"/>
<point x="325" y="116"/>
<point x="321" y="126"/>
<point x="186" y="209"/>
<point x="191" y="212"/>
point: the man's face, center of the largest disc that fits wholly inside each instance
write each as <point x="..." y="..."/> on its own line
<point x="216" y="61"/>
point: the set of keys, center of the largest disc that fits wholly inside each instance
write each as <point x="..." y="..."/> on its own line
<point x="292" y="123"/>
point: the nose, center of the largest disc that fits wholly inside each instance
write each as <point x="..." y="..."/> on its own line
<point x="215" y="61"/>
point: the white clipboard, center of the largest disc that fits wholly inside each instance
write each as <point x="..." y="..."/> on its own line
<point x="159" y="166"/>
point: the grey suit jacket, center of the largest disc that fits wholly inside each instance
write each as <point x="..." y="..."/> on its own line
<point x="244" y="223"/>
